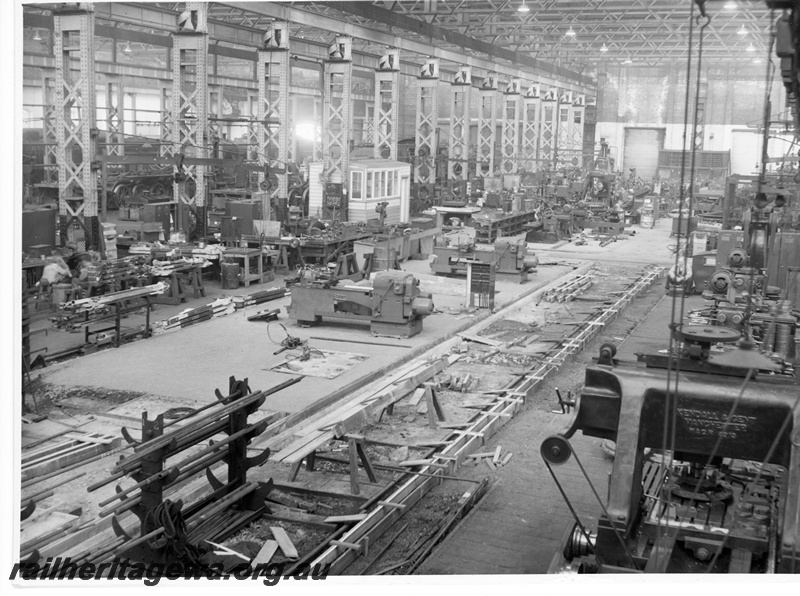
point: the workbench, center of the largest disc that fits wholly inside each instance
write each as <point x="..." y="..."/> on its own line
<point x="121" y="306"/>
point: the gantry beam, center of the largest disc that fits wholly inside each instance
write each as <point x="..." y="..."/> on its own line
<point x="301" y="17"/>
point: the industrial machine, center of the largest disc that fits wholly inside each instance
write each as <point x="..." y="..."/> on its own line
<point x="393" y="304"/>
<point x="706" y="472"/>
<point x="509" y="256"/>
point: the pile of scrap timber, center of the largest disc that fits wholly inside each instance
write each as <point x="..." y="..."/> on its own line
<point x="70" y="448"/>
<point x="569" y="289"/>
<point x="300" y="441"/>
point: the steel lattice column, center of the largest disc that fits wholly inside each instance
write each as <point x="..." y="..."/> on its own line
<point x="49" y="132"/>
<point x="115" y="119"/>
<point x="510" y="146"/>
<point x="387" y="81"/>
<point x="336" y="111"/>
<point x="700" y="115"/>
<point x="427" y="122"/>
<point x="549" y="128"/>
<point x="273" y="111"/>
<point x="190" y="109"/>
<point x="531" y="104"/>
<point x="576" y="118"/>
<point x="75" y="121"/>
<point x="564" y="132"/>
<point x="457" y="169"/>
<point x="166" y="148"/>
<point x="487" y="124"/>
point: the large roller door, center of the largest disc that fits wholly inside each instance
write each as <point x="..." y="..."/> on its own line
<point x="641" y="150"/>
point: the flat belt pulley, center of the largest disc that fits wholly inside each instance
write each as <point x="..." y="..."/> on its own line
<point x="556" y="450"/>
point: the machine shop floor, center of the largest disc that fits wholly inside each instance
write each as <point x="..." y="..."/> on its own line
<point x="188" y="364"/>
<point x="520" y="524"/>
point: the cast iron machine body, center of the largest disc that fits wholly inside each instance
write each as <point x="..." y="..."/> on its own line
<point x="393" y="304"/>
<point x="728" y="491"/>
<point x="509" y="256"/>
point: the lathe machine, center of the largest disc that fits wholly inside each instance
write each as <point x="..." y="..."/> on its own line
<point x="393" y="303"/>
<point x="723" y="496"/>
<point x="509" y="255"/>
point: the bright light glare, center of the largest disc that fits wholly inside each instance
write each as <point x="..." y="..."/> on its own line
<point x="305" y="131"/>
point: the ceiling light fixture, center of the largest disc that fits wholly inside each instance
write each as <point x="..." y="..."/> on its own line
<point x="36" y="36"/>
<point x="751" y="48"/>
<point x="742" y="31"/>
<point x="127" y="48"/>
<point x="730" y="5"/>
<point x="523" y="7"/>
<point x="570" y="32"/>
<point x="628" y="61"/>
<point x="756" y="60"/>
<point x="603" y="48"/>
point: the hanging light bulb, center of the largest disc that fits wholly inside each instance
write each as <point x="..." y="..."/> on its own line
<point x="523" y="7"/>
<point x="742" y="31"/>
<point x="36" y="36"/>
<point x="603" y="48"/>
<point x="127" y="48"/>
<point x="570" y="32"/>
<point x="730" y="5"/>
<point x="751" y="48"/>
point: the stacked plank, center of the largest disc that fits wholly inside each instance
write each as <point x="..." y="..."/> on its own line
<point x="351" y="416"/>
<point x="72" y="448"/>
<point x="259" y="297"/>
<point x="569" y="289"/>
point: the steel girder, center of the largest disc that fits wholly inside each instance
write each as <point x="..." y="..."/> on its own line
<point x="75" y="126"/>
<point x="274" y="123"/>
<point x="190" y="108"/>
<point x="576" y="118"/>
<point x="427" y="126"/>
<point x="487" y="124"/>
<point x="385" y="115"/>
<point x="337" y="116"/>
<point x="549" y="128"/>
<point x="115" y="119"/>
<point x="49" y="132"/>
<point x="458" y="166"/>
<point x="511" y="120"/>
<point x="529" y="139"/>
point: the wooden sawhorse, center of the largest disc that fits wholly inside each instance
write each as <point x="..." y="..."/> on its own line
<point x="356" y="451"/>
